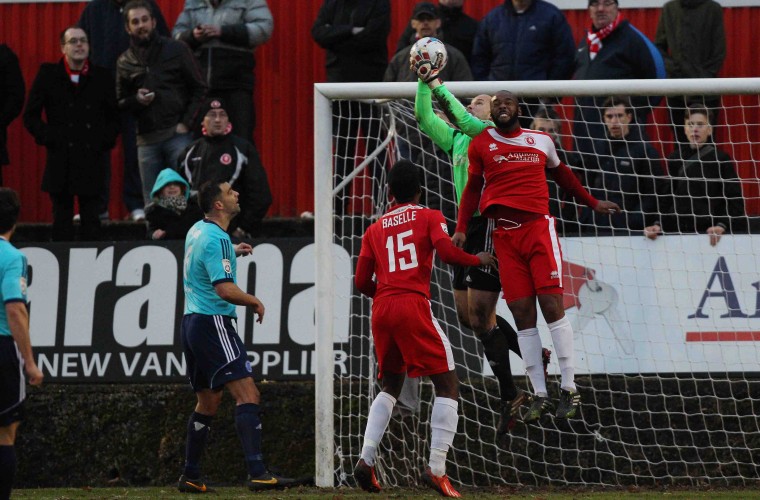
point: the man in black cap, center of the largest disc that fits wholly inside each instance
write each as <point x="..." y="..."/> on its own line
<point x="224" y="157"/>
<point x="457" y="28"/>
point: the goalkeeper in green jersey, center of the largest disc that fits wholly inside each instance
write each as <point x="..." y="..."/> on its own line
<point x="476" y="289"/>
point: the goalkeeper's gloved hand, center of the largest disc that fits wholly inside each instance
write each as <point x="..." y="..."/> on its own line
<point x="421" y="64"/>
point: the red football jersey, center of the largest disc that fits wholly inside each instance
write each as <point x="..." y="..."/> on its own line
<point x="514" y="168"/>
<point x="402" y="244"/>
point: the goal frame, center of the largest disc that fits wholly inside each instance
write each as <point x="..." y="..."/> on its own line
<point x="324" y="94"/>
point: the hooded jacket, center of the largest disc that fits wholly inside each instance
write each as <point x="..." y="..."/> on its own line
<point x="175" y="224"/>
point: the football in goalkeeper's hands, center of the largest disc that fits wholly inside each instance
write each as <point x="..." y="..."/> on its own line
<point x="428" y="57"/>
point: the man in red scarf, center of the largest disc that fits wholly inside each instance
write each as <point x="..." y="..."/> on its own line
<point x="79" y="129"/>
<point x="613" y="49"/>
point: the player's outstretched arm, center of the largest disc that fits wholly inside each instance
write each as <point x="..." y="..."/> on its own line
<point x="365" y="267"/>
<point x="430" y="123"/>
<point x="454" y="109"/>
<point x="451" y="254"/>
<point x="229" y="291"/>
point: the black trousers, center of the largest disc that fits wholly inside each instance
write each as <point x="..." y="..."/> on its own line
<point x="63" y="213"/>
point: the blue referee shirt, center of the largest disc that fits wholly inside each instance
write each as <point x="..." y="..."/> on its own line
<point x="13" y="277"/>
<point x="209" y="260"/>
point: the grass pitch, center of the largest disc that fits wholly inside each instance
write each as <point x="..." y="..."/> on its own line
<point x="394" y="494"/>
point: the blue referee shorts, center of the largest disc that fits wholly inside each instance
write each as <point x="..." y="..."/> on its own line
<point x="12" y="382"/>
<point x="214" y="352"/>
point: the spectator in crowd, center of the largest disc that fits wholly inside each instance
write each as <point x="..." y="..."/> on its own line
<point x="158" y="80"/>
<point x="702" y="193"/>
<point x="224" y="35"/>
<point x="613" y="49"/>
<point x="103" y="22"/>
<point x="692" y="39"/>
<point x="223" y="157"/>
<point x="354" y="34"/>
<point x="547" y="120"/>
<point x="80" y="127"/>
<point x="11" y="98"/>
<point x="457" y="28"/>
<point x="524" y="40"/>
<point x="623" y="170"/>
<point x="172" y="212"/>
<point x="426" y="22"/>
<point x="16" y="356"/>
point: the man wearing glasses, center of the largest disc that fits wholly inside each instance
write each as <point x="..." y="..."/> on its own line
<point x="80" y="127"/>
<point x="613" y="49"/>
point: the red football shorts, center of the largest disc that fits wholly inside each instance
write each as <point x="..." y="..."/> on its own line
<point x="408" y="338"/>
<point x="530" y="258"/>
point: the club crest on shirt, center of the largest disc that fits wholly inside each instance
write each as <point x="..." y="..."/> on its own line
<point x="227" y="266"/>
<point x="493" y="147"/>
<point x="445" y="227"/>
<point x="530" y="140"/>
<point x="22" y="285"/>
<point x="226" y="159"/>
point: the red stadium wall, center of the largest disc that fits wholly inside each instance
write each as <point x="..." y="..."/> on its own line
<point x="287" y="67"/>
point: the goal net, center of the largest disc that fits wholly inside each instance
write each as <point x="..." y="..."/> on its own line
<point x="667" y="330"/>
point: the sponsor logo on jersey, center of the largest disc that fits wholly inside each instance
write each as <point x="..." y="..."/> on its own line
<point x="226" y="159"/>
<point x="523" y="157"/>
<point x="445" y="228"/>
<point x="493" y="147"/>
<point x="530" y="140"/>
<point x="227" y="265"/>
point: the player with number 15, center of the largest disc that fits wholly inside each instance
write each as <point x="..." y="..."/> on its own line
<point x="398" y="249"/>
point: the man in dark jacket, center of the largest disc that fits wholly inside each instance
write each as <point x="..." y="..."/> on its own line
<point x="613" y="49"/>
<point x="223" y="35"/>
<point x="81" y="126"/>
<point x="692" y="39"/>
<point x="11" y="98"/>
<point x="103" y="21"/>
<point x="702" y="193"/>
<point x="354" y="34"/>
<point x="223" y="157"/>
<point x="159" y="81"/>
<point x="457" y="28"/>
<point x="623" y="170"/>
<point x="524" y="40"/>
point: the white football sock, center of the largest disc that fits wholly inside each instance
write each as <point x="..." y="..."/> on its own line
<point x="562" y="336"/>
<point x="443" y="422"/>
<point x="530" y="347"/>
<point x="377" y="422"/>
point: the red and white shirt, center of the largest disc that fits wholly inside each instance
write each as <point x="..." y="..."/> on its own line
<point x="513" y="167"/>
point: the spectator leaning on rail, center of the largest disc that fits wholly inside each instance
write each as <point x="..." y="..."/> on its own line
<point x="613" y="49"/>
<point x="692" y="39"/>
<point x="159" y="81"/>
<point x="702" y="192"/>
<point x="523" y="40"/>
<point x="224" y="35"/>
<point x="623" y="170"/>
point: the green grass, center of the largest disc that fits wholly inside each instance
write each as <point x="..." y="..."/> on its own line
<point x="394" y="493"/>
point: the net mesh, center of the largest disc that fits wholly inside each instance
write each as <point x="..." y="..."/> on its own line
<point x="666" y="330"/>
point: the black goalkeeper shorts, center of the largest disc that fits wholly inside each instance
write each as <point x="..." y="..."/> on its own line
<point x="12" y="382"/>
<point x="479" y="239"/>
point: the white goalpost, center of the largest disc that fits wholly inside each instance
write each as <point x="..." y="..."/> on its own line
<point x="667" y="330"/>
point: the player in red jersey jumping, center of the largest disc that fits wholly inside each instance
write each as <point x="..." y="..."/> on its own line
<point x="398" y="249"/>
<point x="507" y="183"/>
